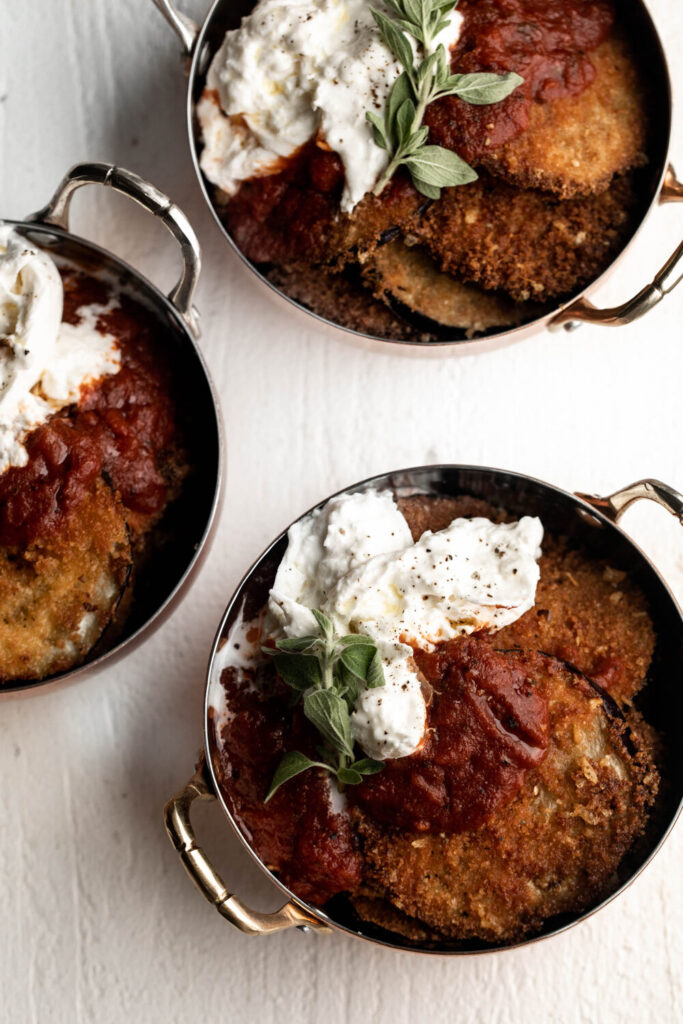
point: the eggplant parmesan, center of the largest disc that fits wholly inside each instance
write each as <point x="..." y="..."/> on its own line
<point x="500" y="773"/>
<point x="91" y="455"/>
<point x="296" y="169"/>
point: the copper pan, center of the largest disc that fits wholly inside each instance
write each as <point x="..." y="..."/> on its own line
<point x="188" y="524"/>
<point x="591" y="521"/>
<point x="658" y="184"/>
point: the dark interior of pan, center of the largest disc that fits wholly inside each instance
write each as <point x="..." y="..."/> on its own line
<point x="632" y="15"/>
<point x="661" y="701"/>
<point x="181" y="532"/>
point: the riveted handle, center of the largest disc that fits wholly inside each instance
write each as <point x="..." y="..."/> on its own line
<point x="614" y="505"/>
<point x="186" y="29"/>
<point x="146" y="195"/>
<point x="583" y="311"/>
<point x="209" y="883"/>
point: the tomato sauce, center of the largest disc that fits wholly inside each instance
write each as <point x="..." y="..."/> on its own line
<point x="547" y="42"/>
<point x="121" y="429"/>
<point x="297" y="832"/>
<point x="286" y="216"/>
<point x="486" y="727"/>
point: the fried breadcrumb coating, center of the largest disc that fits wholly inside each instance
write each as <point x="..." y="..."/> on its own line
<point x="59" y="595"/>
<point x="575" y="146"/>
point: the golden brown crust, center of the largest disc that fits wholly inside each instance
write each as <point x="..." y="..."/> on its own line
<point x="575" y="146"/>
<point x="59" y="595"/>
<point x="436" y="512"/>
<point x="355" y="236"/>
<point x="555" y="847"/>
<point x="408" y="275"/>
<point x="527" y="243"/>
<point x="344" y="302"/>
<point x="591" y="614"/>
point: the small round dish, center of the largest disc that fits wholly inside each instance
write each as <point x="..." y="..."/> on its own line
<point x="187" y="526"/>
<point x="659" y="184"/>
<point x="587" y="519"/>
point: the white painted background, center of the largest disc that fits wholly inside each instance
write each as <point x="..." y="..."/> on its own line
<point x="97" y="919"/>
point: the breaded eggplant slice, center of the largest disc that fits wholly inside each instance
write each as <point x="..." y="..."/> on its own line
<point x="407" y="275"/>
<point x="590" y="614"/>
<point x="59" y="595"/>
<point x="526" y="243"/>
<point x="436" y="511"/>
<point x="343" y="300"/>
<point x="555" y="847"/>
<point x="575" y="146"/>
<point x="375" y="221"/>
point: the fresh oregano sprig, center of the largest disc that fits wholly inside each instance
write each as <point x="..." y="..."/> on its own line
<point x="327" y="672"/>
<point x="401" y="131"/>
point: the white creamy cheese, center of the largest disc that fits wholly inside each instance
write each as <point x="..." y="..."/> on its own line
<point x="296" y="69"/>
<point x="355" y="560"/>
<point x="43" y="362"/>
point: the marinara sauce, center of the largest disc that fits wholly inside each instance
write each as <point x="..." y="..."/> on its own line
<point x="297" y="833"/>
<point x="547" y="42"/>
<point x="121" y="428"/>
<point x="282" y="216"/>
<point x="486" y="728"/>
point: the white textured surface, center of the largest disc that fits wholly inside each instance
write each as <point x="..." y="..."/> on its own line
<point x="98" y="921"/>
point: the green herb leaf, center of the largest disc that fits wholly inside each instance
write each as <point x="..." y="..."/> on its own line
<point x="356" y="640"/>
<point x="395" y="6"/>
<point x="357" y="660"/>
<point x="428" y="66"/>
<point x="367" y="766"/>
<point x="482" y="88"/>
<point x="402" y="133"/>
<point x="435" y="165"/>
<point x="375" y="673"/>
<point x="348" y="685"/>
<point x="326" y="625"/>
<point x="298" y="671"/>
<point x="430" y="191"/>
<point x="329" y="713"/>
<point x="438" y="25"/>
<point x="443" y="71"/>
<point x="404" y="119"/>
<point x="400" y="92"/>
<point x="291" y="764"/>
<point x="408" y="27"/>
<point x="394" y="38"/>
<point x="296" y="643"/>
<point x="417" y="140"/>
<point x="413" y="10"/>
<point x="378" y="129"/>
<point x="329" y="672"/>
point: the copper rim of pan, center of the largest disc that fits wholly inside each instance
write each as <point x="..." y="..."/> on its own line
<point x="591" y="518"/>
<point x="200" y="43"/>
<point x="177" y="317"/>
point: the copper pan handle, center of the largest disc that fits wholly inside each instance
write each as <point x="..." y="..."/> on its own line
<point x="583" y="310"/>
<point x="209" y="883"/>
<point x="186" y="29"/>
<point x="142" y="192"/>
<point x="614" y="505"/>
